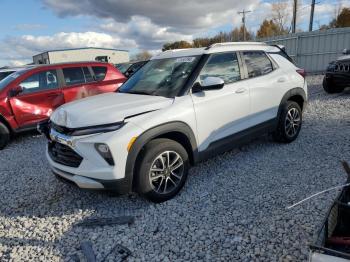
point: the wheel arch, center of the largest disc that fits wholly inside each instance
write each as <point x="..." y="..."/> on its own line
<point x="5" y="122"/>
<point x="177" y="131"/>
<point x="297" y="95"/>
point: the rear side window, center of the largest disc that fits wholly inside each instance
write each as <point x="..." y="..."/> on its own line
<point x="73" y="76"/>
<point x="223" y="65"/>
<point x="40" y="81"/>
<point x="87" y="74"/>
<point x="100" y="72"/>
<point x="257" y="63"/>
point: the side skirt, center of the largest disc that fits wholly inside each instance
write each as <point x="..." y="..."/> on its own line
<point x="238" y="139"/>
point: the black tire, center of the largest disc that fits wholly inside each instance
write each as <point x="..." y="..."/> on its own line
<point x="287" y="131"/>
<point x="4" y="136"/>
<point x="153" y="155"/>
<point x="330" y="88"/>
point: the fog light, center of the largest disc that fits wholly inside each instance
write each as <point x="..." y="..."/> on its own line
<point x="103" y="148"/>
<point x="104" y="151"/>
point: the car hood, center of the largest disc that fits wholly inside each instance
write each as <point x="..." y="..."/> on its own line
<point x="106" y="109"/>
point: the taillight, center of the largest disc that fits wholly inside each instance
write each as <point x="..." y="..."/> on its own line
<point x="301" y="72"/>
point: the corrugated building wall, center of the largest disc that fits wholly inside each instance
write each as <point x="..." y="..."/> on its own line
<point x="314" y="50"/>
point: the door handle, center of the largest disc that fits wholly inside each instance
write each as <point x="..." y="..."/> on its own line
<point x="240" y="90"/>
<point x="282" y="80"/>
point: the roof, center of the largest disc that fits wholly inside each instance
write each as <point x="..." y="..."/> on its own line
<point x="215" y="48"/>
<point x="82" y="48"/>
<point x="72" y="63"/>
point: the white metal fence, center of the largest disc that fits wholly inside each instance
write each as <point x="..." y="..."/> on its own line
<point x="314" y="50"/>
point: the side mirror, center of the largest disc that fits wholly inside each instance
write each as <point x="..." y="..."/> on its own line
<point x="16" y="91"/>
<point x="209" y="83"/>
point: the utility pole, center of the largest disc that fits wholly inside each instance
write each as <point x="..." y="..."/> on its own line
<point x="243" y="13"/>
<point x="294" y="22"/>
<point x="312" y="15"/>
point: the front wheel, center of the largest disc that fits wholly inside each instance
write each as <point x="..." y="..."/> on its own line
<point x="289" y="123"/>
<point x="163" y="170"/>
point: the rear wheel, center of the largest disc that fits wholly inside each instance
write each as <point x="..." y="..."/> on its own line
<point x="4" y="136"/>
<point x="163" y="170"/>
<point x="330" y="88"/>
<point x="289" y="123"/>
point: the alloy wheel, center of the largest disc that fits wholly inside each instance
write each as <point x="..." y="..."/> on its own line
<point x="293" y="122"/>
<point x="166" y="172"/>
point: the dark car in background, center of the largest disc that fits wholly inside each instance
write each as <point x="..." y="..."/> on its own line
<point x="337" y="76"/>
<point x="128" y="69"/>
<point x="31" y="94"/>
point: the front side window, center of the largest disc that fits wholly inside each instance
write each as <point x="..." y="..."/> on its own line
<point x="73" y="76"/>
<point x="40" y="81"/>
<point x="258" y="63"/>
<point x="161" y="77"/>
<point x="224" y="65"/>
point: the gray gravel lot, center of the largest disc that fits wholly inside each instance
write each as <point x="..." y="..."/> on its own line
<point x="232" y="208"/>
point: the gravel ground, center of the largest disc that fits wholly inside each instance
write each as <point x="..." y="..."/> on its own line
<point x="232" y="208"/>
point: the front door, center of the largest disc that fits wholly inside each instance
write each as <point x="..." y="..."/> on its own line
<point x="41" y="95"/>
<point x="221" y="113"/>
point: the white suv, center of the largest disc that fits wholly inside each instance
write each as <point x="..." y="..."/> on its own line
<point x="182" y="107"/>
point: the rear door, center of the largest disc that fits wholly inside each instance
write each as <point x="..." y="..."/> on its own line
<point x="41" y="95"/>
<point x="267" y="84"/>
<point x="74" y="83"/>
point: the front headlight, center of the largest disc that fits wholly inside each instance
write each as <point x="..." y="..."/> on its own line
<point x="82" y="131"/>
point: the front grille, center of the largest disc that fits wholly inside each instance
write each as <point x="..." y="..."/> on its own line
<point x="64" y="155"/>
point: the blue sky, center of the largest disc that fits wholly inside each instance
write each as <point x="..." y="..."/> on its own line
<point x="37" y="25"/>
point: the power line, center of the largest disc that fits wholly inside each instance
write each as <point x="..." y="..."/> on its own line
<point x="243" y="13"/>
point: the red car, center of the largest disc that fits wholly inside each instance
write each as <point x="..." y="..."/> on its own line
<point x="29" y="96"/>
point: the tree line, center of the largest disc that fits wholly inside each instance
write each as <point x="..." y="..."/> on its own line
<point x="277" y="25"/>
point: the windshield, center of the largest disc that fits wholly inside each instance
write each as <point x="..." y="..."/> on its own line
<point x="161" y="77"/>
<point x="4" y="74"/>
<point x="7" y="80"/>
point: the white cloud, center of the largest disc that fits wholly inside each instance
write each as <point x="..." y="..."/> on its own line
<point x="188" y="16"/>
<point x="17" y="50"/>
<point x="146" y="34"/>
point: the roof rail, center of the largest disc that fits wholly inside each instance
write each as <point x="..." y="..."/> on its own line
<point x="234" y="44"/>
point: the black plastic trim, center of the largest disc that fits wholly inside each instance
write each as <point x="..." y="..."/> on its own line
<point x="298" y="91"/>
<point x="143" y="139"/>
<point x="237" y="139"/>
<point x="80" y="131"/>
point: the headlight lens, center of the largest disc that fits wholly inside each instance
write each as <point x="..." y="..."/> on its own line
<point x="106" y="154"/>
